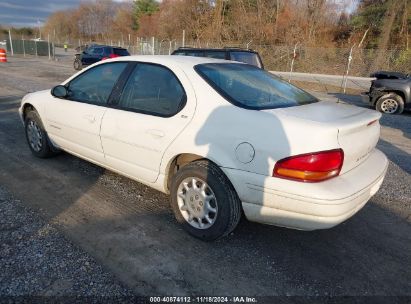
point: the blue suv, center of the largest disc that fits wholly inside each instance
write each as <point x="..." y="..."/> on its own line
<point x="96" y="53"/>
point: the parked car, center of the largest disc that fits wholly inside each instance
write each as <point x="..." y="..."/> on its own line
<point x="95" y="53"/>
<point x="390" y="93"/>
<point x="236" y="54"/>
<point x="220" y="137"/>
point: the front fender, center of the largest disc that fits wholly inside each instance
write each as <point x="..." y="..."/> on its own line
<point x="37" y="100"/>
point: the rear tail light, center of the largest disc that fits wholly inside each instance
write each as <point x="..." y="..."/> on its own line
<point x="110" y="56"/>
<point x="310" y="167"/>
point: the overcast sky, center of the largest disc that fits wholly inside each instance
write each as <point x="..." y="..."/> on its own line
<point x="20" y="13"/>
<point x="29" y="12"/>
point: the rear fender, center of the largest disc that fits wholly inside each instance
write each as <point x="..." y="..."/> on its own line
<point x="382" y="87"/>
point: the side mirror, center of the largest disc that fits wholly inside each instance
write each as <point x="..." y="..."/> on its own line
<point x="85" y="52"/>
<point x="59" y="91"/>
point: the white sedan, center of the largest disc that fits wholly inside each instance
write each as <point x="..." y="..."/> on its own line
<point x="220" y="137"/>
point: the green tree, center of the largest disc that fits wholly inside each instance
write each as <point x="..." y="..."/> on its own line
<point x="386" y="20"/>
<point x="370" y="16"/>
<point x="144" y="8"/>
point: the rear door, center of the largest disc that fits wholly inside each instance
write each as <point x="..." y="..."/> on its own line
<point x="107" y="51"/>
<point x="154" y="106"/>
<point x="74" y="122"/>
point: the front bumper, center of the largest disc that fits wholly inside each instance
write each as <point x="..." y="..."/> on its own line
<point x="309" y="206"/>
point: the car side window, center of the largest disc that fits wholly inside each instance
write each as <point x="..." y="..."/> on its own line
<point x="107" y="51"/>
<point x="195" y="54"/>
<point x="98" y="51"/>
<point x="89" y="50"/>
<point x="246" y="57"/>
<point x="215" y="54"/>
<point x="188" y="53"/>
<point x="153" y="89"/>
<point x="95" y="85"/>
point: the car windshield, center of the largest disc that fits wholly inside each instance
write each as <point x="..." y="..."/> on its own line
<point x="246" y="57"/>
<point x="121" y="52"/>
<point x="252" y="88"/>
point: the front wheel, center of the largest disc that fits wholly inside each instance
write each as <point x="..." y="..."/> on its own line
<point x="390" y="103"/>
<point x="36" y="136"/>
<point x="204" y="201"/>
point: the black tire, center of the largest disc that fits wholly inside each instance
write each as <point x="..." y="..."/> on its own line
<point x="45" y="150"/>
<point x="77" y="64"/>
<point x="390" y="103"/>
<point x="227" y="201"/>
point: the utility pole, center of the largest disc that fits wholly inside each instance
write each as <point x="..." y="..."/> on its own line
<point x="277" y="8"/>
<point x="48" y="45"/>
<point x="24" y="49"/>
<point x="38" y="23"/>
<point x="11" y="44"/>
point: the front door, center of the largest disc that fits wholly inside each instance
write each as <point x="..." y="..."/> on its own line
<point x="74" y="122"/>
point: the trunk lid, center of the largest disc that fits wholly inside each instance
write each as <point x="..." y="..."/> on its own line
<point x="358" y="128"/>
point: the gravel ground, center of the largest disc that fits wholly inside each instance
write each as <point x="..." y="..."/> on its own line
<point x="36" y="259"/>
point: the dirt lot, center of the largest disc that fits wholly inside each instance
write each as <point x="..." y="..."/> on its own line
<point x="129" y="230"/>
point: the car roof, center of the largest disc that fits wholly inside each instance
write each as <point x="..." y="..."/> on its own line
<point x="226" y="49"/>
<point x="103" y="45"/>
<point x="185" y="61"/>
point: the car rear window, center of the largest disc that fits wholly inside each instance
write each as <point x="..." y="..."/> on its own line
<point x="121" y="52"/>
<point x="246" y="57"/>
<point x="249" y="87"/>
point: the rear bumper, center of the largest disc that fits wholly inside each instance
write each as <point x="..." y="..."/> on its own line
<point x="309" y="206"/>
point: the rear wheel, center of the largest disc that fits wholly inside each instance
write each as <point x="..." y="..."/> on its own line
<point x="36" y="136"/>
<point x="204" y="202"/>
<point x="390" y="103"/>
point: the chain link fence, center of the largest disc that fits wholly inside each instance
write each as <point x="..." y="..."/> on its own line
<point x="284" y="58"/>
<point x="30" y="47"/>
<point x="299" y="58"/>
<point x="334" y="61"/>
<point x="288" y="60"/>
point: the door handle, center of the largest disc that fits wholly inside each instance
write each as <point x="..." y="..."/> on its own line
<point x="156" y="133"/>
<point x="90" y="118"/>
